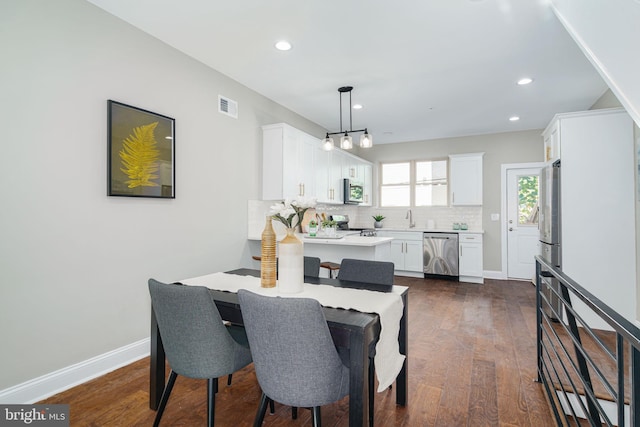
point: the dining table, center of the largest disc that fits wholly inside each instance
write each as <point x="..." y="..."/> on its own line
<point x="357" y="332"/>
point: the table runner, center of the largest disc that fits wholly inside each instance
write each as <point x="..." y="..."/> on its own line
<point x="388" y="306"/>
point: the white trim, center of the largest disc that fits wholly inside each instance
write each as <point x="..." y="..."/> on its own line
<point x="55" y="382"/>
<point x="504" y="168"/>
<point x="497" y="275"/>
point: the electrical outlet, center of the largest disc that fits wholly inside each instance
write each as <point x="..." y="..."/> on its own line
<point x="495" y="217"/>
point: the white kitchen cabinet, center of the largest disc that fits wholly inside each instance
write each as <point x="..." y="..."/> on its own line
<point x="470" y="267"/>
<point x="406" y="252"/>
<point x="328" y="170"/>
<point x="465" y="179"/>
<point x="551" y="138"/>
<point x="598" y="203"/>
<point x="367" y="175"/>
<point x="287" y="162"/>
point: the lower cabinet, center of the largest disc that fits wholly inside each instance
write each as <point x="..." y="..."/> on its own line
<point x="406" y="251"/>
<point x="470" y="252"/>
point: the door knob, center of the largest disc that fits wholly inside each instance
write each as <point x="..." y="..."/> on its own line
<point x="510" y="228"/>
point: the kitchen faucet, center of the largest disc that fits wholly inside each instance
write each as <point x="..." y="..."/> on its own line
<point x="410" y="218"/>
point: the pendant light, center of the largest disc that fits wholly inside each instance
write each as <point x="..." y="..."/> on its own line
<point x="346" y="141"/>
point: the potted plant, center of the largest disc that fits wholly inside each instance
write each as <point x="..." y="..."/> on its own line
<point x="329" y="227"/>
<point x="378" y="220"/>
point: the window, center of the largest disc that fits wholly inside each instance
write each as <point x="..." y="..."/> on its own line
<point x="528" y="200"/>
<point x="395" y="189"/>
<point x="414" y="183"/>
<point x="431" y="183"/>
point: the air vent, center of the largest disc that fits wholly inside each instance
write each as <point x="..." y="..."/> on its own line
<point x="227" y="106"/>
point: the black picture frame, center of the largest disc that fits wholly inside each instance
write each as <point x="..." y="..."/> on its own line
<point x="141" y="152"/>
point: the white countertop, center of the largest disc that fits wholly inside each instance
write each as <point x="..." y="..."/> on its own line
<point x="349" y="238"/>
<point x="429" y="230"/>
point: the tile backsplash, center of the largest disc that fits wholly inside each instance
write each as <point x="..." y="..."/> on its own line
<point x="361" y="216"/>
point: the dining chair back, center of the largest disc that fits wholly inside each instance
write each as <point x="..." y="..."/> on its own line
<point x="196" y="342"/>
<point x="366" y="271"/>
<point x="311" y="266"/>
<point x="295" y="359"/>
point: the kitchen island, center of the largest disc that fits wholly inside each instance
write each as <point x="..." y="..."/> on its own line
<point x="335" y="249"/>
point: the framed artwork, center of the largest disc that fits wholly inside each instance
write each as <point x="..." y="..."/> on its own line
<point x="141" y="153"/>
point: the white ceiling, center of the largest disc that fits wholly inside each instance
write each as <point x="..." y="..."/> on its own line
<point x="422" y="69"/>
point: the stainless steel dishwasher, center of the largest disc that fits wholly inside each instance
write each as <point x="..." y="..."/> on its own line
<point x="440" y="254"/>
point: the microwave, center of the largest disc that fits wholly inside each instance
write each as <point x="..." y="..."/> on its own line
<point x="353" y="192"/>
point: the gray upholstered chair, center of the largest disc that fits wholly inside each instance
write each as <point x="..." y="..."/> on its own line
<point x="311" y="266"/>
<point x="295" y="359"/>
<point x="196" y="342"/>
<point x="373" y="272"/>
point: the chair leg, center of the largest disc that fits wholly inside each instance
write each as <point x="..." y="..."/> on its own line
<point x="165" y="397"/>
<point x="372" y="394"/>
<point x="229" y="379"/>
<point x="294" y="412"/>
<point x="272" y="407"/>
<point x="212" y="389"/>
<point x="315" y="417"/>
<point x="262" y="409"/>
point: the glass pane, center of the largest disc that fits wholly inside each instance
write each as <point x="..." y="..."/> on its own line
<point x="431" y="172"/>
<point x="397" y="195"/>
<point x="528" y="200"/>
<point x="395" y="173"/>
<point x="431" y="195"/>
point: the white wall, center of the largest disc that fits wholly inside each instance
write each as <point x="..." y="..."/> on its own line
<point x="74" y="262"/>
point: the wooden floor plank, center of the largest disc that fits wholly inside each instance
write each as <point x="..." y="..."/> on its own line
<point x="472" y="363"/>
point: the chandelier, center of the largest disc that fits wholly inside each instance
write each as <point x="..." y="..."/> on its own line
<point x="346" y="142"/>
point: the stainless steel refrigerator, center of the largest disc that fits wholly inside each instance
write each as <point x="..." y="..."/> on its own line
<point x="550" y="226"/>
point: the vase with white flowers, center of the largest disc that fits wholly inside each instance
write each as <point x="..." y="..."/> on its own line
<point x="290" y="249"/>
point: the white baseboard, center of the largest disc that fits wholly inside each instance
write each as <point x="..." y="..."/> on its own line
<point x="498" y="275"/>
<point x="55" y="382"/>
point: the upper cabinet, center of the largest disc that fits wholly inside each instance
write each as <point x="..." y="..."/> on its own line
<point x="551" y="137"/>
<point x="367" y="180"/>
<point x="295" y="165"/>
<point x="287" y="162"/>
<point x="329" y="165"/>
<point x="465" y="179"/>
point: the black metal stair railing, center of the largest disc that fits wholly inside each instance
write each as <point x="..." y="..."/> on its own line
<point x="588" y="376"/>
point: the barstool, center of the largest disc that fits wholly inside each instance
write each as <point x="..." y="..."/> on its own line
<point x="331" y="266"/>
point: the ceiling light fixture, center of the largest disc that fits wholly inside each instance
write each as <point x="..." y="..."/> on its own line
<point x="514" y="118"/>
<point x="283" y="45"/>
<point x="524" y="81"/>
<point x="346" y="142"/>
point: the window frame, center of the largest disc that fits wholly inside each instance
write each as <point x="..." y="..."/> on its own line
<point x="412" y="181"/>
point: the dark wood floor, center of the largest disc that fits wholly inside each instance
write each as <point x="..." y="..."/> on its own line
<point x="472" y="363"/>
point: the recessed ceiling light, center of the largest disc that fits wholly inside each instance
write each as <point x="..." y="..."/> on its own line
<point x="514" y="118"/>
<point x="525" y="81"/>
<point x="283" y="45"/>
<point x="357" y="106"/>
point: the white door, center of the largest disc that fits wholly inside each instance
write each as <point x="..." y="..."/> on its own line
<point x="522" y="222"/>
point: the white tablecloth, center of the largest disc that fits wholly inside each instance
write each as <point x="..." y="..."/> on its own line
<point x="388" y="305"/>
